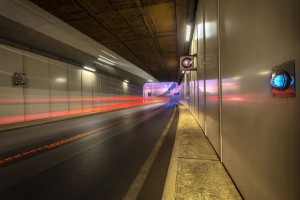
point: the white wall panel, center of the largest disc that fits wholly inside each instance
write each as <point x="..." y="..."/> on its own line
<point x="36" y="91"/>
<point x="11" y="96"/>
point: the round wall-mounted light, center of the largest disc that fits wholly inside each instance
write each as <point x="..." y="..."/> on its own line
<point x="281" y="80"/>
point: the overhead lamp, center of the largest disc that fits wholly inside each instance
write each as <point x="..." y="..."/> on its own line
<point x="109" y="60"/>
<point x="106" y="61"/>
<point x="188" y="33"/>
<point x="101" y="64"/>
<point x="108" y="54"/>
<point x="89" y="68"/>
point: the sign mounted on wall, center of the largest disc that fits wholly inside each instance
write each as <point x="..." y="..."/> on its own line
<point x="187" y="63"/>
<point x="20" y="78"/>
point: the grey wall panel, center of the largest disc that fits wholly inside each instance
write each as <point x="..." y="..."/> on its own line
<point x="125" y="89"/>
<point x="88" y="79"/>
<point x="74" y="89"/>
<point x="97" y="93"/>
<point x="11" y="96"/>
<point x="104" y="90"/>
<point x="36" y="91"/>
<point x="212" y="74"/>
<point x="260" y="133"/>
<point x="58" y="77"/>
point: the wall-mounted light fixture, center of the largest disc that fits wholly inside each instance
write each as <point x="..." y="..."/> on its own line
<point x="188" y="33"/>
<point x="283" y="80"/>
<point x="89" y="68"/>
<point x="126" y="81"/>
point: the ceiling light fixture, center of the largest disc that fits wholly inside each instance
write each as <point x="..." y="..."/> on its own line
<point x="108" y="54"/>
<point x="106" y="61"/>
<point x="89" y="68"/>
<point x="188" y="33"/>
<point x="101" y="64"/>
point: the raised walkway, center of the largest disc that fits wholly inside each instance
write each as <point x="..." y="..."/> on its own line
<point x="195" y="171"/>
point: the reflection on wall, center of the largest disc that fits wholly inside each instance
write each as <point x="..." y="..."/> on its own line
<point x="162" y="89"/>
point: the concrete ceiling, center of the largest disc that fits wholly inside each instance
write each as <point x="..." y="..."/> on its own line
<point x="147" y="33"/>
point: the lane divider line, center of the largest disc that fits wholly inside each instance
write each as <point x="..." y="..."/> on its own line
<point x="170" y="183"/>
<point x="139" y="180"/>
<point x="70" y="139"/>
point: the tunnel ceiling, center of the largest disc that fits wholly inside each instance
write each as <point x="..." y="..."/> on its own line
<point x="148" y="33"/>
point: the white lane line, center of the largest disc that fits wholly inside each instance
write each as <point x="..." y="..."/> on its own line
<point x="170" y="184"/>
<point x="139" y="180"/>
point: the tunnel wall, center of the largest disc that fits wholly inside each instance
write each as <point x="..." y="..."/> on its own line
<point x="258" y="136"/>
<point x="54" y="88"/>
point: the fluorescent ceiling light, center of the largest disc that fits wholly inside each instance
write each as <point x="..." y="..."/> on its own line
<point x="98" y="63"/>
<point x="90" y="69"/>
<point x="108" y="54"/>
<point x="188" y="33"/>
<point x="106" y="61"/>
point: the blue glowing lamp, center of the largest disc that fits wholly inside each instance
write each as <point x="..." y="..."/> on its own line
<point x="281" y="80"/>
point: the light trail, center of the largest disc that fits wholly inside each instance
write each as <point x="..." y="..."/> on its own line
<point x="97" y="105"/>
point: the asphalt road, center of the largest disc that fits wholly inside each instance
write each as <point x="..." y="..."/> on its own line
<point x="92" y="157"/>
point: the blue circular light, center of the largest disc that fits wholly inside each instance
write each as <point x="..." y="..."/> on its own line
<point x="280" y="80"/>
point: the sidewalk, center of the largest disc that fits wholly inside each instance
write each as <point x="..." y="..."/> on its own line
<point x="195" y="171"/>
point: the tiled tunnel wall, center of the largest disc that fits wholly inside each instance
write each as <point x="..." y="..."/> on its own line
<point x="54" y="88"/>
<point x="255" y="134"/>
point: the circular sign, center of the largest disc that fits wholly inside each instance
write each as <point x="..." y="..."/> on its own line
<point x="187" y="62"/>
<point x="19" y="78"/>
